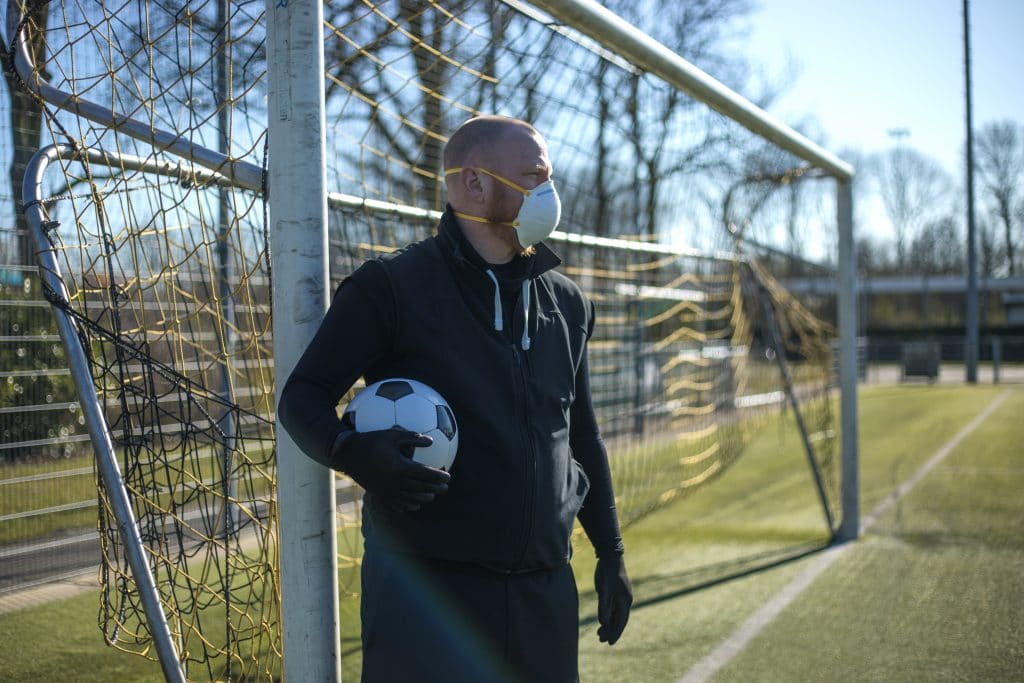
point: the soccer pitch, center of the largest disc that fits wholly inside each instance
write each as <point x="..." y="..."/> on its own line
<point x="931" y="591"/>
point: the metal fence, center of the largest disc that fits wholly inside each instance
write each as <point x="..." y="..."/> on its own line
<point x="941" y="357"/>
<point x="47" y="494"/>
<point x="47" y="486"/>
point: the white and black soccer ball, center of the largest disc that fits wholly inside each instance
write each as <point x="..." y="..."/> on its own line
<point x="411" y="405"/>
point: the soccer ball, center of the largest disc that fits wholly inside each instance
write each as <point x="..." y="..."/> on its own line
<point x="411" y="405"/>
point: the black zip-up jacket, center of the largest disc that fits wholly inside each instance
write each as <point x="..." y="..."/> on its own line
<point x="506" y="347"/>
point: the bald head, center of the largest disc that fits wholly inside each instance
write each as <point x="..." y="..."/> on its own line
<point x="478" y="139"/>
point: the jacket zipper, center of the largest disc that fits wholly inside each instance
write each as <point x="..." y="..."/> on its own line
<point x="531" y="464"/>
<point x="519" y="359"/>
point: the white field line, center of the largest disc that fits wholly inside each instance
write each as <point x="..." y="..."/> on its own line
<point x="716" y="659"/>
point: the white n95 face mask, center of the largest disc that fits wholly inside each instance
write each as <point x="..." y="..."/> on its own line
<point x="538" y="216"/>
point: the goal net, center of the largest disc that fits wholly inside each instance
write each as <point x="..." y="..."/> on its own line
<point x="162" y="266"/>
<point x="152" y="216"/>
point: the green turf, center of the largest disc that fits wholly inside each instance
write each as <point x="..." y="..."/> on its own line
<point x="765" y="507"/>
<point x="931" y="593"/>
<point x="61" y="641"/>
<point x="760" y="512"/>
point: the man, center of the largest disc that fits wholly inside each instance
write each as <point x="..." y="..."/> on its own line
<point x="466" y="576"/>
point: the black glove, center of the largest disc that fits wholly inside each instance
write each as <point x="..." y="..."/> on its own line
<point x="614" y="598"/>
<point x="381" y="462"/>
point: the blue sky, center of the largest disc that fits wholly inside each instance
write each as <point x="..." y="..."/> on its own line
<point x="863" y="67"/>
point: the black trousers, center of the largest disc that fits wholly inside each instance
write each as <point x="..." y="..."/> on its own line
<point x="426" y="621"/>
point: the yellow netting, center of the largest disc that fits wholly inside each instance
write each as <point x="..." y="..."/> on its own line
<point x="167" y="278"/>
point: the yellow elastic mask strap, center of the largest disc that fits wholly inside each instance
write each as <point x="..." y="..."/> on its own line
<point x="479" y="219"/>
<point x="506" y="181"/>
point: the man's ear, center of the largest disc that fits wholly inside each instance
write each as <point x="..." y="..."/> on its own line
<point x="460" y="187"/>
<point x="472" y="184"/>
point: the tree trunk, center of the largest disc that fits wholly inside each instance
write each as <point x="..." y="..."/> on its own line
<point x="432" y="74"/>
<point x="1006" y="216"/>
<point x="601" y="224"/>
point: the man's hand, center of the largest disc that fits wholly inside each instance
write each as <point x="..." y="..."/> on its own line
<point x="381" y="462"/>
<point x="614" y="598"/>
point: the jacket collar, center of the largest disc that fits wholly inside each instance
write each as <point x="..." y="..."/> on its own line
<point x="455" y="243"/>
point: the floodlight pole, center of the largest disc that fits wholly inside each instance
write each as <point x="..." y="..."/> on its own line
<point x="297" y="181"/>
<point x="971" y="355"/>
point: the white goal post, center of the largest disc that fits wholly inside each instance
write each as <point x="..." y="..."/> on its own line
<point x="297" y="188"/>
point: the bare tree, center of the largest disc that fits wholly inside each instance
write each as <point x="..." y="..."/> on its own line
<point x="602" y="221"/>
<point x="1000" y="166"/>
<point x="411" y="143"/>
<point x="771" y="188"/>
<point x="914" y="191"/>
<point x="696" y="31"/>
<point x="991" y="255"/>
<point x="937" y="249"/>
<point x="872" y="256"/>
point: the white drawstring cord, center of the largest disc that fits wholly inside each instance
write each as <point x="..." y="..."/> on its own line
<point x="525" y="343"/>
<point x="499" y="322"/>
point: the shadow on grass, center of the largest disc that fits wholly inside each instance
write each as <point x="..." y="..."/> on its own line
<point x="350" y="645"/>
<point x="661" y="588"/>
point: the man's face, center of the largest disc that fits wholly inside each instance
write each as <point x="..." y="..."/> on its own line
<point x="521" y="157"/>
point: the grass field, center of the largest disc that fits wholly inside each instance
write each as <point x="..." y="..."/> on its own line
<point x="932" y="591"/>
